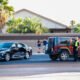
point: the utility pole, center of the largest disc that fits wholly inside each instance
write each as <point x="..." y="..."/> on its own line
<point x="72" y="26"/>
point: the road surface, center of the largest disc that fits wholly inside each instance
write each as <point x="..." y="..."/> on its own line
<point x="37" y="64"/>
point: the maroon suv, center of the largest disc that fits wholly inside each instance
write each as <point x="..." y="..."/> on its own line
<point x="60" y="47"/>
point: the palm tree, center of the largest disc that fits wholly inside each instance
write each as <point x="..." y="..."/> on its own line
<point x="27" y="25"/>
<point x="14" y="24"/>
<point x="34" y="26"/>
<point x="5" y="12"/>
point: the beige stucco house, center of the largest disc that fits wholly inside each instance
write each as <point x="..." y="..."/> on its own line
<point x="53" y="26"/>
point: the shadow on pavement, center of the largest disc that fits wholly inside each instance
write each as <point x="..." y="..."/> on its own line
<point x="35" y="59"/>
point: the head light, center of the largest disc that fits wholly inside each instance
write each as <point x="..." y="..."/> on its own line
<point x="2" y="52"/>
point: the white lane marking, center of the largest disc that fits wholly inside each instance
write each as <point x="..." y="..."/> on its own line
<point x="55" y="76"/>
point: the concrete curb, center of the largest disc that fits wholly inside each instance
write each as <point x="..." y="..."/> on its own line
<point x="55" y="76"/>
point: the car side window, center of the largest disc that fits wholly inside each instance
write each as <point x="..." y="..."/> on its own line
<point x="63" y="41"/>
<point x="14" y="45"/>
<point x="26" y="46"/>
<point x="19" y="46"/>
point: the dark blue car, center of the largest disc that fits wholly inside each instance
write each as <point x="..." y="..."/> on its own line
<point x="12" y="50"/>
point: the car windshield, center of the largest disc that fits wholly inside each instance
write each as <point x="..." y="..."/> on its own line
<point x="5" y="45"/>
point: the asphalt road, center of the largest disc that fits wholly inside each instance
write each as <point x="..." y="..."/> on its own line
<point x="37" y="64"/>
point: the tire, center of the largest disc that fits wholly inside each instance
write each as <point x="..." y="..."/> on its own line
<point x="53" y="57"/>
<point x="7" y="57"/>
<point x="26" y="56"/>
<point x="64" y="55"/>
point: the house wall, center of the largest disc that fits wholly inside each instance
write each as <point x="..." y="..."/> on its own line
<point x="47" y="23"/>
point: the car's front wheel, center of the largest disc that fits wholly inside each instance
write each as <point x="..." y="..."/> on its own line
<point x="7" y="57"/>
<point x="26" y="56"/>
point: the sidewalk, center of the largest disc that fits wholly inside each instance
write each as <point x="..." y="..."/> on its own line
<point x="55" y="76"/>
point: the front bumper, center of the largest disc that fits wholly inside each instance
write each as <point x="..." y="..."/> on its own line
<point x="1" y="56"/>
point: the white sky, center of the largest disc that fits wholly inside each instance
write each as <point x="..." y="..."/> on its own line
<point x="60" y="10"/>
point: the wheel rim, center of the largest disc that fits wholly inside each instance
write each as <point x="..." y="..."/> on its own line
<point x="7" y="57"/>
<point x="64" y="56"/>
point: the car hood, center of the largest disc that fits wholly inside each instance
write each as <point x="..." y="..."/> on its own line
<point x="3" y="49"/>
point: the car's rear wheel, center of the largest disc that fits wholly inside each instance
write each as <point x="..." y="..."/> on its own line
<point x="64" y="55"/>
<point x="7" y="57"/>
<point x="26" y="56"/>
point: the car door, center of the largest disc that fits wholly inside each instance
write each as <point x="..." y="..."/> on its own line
<point x="21" y="49"/>
<point x="14" y="50"/>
